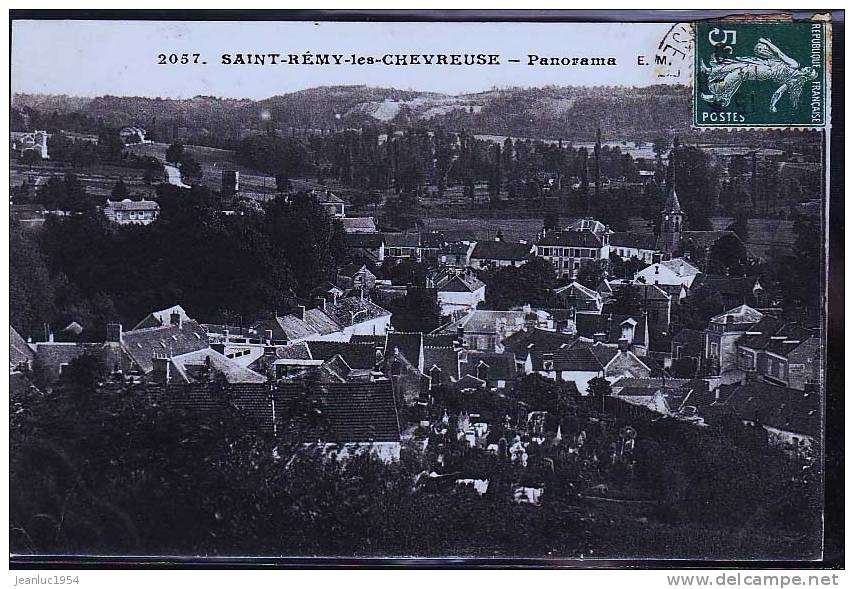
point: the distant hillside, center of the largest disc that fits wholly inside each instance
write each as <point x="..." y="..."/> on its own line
<point x="548" y="113"/>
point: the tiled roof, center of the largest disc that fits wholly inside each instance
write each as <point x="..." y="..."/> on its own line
<point x="172" y="340"/>
<point x="486" y="322"/>
<point x="499" y="366"/>
<point x="681" y="267"/>
<point x="501" y="250"/>
<point x="759" y="334"/>
<point x="782" y="408"/>
<point x="353" y="411"/>
<point x="446" y="359"/>
<point x="363" y="240"/>
<point x="231" y="370"/>
<point x="579" y="290"/>
<point x="357" y="355"/>
<point x="133" y="205"/>
<point x="432" y="240"/>
<point x="573" y="359"/>
<point x="737" y="286"/>
<point x="630" y="239"/>
<point x="402" y="239"/>
<point x="571" y="239"/>
<point x="651" y="383"/>
<point x="604" y="353"/>
<point x="789" y="338"/>
<point x="408" y="344"/>
<point x="706" y="239"/>
<point x="611" y="325"/>
<point x="741" y="315"/>
<point x="439" y="340"/>
<point x="366" y="223"/>
<point x="460" y="283"/>
<point x="294" y="328"/>
<point x="591" y="225"/>
<point x="520" y="343"/>
<point x="297" y="351"/>
<point x="162" y="317"/>
<point x="354" y="310"/>
<point x="652" y="292"/>
<point x="321" y="322"/>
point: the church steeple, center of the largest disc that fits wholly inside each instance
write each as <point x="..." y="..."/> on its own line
<point x="672" y="216"/>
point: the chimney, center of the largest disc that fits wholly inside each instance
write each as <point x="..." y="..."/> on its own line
<point x="301" y="312"/>
<point x="114" y="332"/>
<point x="268" y="335"/>
<point x="600" y="337"/>
<point x="175" y="318"/>
<point x="161" y="372"/>
<point x="624" y="345"/>
<point x="321" y="302"/>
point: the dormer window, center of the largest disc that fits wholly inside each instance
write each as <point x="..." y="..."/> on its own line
<point x="548" y="365"/>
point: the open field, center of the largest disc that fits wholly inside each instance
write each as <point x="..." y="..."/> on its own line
<point x="98" y="179"/>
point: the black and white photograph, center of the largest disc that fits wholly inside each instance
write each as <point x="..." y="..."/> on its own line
<point x="338" y="288"/>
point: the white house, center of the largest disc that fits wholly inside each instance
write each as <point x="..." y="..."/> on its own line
<point x="675" y="272"/>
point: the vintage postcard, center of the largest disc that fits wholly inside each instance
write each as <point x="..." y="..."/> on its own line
<point x="362" y="286"/>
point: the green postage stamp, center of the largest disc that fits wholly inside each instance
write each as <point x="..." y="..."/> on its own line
<point x="760" y="74"/>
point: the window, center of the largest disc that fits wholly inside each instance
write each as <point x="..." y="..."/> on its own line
<point x="713" y="349"/>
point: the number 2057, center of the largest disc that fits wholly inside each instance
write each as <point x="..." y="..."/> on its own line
<point x="178" y="58"/>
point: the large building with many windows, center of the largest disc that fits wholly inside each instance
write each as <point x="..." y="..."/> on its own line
<point x="567" y="249"/>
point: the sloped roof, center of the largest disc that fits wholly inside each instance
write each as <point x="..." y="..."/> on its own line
<point x="364" y="240"/>
<point x="730" y="285"/>
<point x="460" y="283"/>
<point x="402" y="240"/>
<point x="501" y="250"/>
<point x="499" y="366"/>
<point x="610" y="324"/>
<point x="782" y="408"/>
<point x="356" y="355"/>
<point x="295" y="328"/>
<point x="573" y="359"/>
<point x="362" y="223"/>
<point x="409" y="344"/>
<point x="788" y="339"/>
<point x="444" y="358"/>
<point x="174" y="340"/>
<point x="587" y="224"/>
<point x="578" y="289"/>
<point x="484" y="321"/>
<point x="707" y="239"/>
<point x="133" y="205"/>
<point x="321" y="322"/>
<point x="350" y="309"/>
<point x="353" y="411"/>
<point x="297" y="351"/>
<point x="651" y="292"/>
<point x="631" y="239"/>
<point x="604" y="353"/>
<point x="760" y="333"/>
<point x="681" y="267"/>
<point x="162" y="317"/>
<point x="521" y="342"/>
<point x="742" y="314"/>
<point x="231" y="370"/>
<point x="571" y="239"/>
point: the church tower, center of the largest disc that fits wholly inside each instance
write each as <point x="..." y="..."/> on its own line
<point x="672" y="216"/>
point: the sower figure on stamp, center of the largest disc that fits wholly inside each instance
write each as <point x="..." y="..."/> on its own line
<point x="770" y="63"/>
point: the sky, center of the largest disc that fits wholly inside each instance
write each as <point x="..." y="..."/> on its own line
<point x="95" y="58"/>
